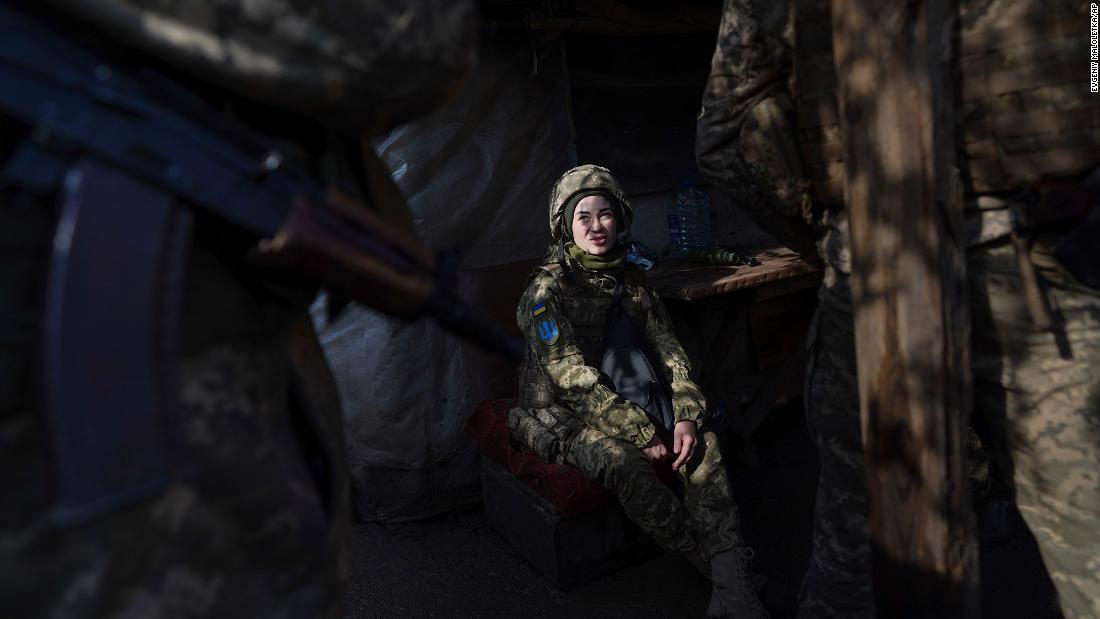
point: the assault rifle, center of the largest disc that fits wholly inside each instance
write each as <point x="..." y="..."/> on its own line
<point x="130" y="169"/>
<point x="79" y="108"/>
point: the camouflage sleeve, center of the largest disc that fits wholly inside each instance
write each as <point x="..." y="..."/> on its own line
<point x="688" y="402"/>
<point x="551" y="344"/>
<point x="745" y="141"/>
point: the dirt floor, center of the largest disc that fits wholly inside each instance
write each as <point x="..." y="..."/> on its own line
<point x="457" y="566"/>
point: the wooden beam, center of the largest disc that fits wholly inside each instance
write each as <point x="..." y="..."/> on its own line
<point x="911" y="318"/>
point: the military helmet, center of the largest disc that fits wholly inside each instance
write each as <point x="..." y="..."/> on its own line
<point x="585" y="179"/>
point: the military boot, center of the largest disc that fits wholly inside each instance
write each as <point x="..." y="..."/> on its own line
<point x="734" y="594"/>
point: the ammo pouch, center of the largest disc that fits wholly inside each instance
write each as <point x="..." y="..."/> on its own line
<point x="544" y="431"/>
<point x="626" y="366"/>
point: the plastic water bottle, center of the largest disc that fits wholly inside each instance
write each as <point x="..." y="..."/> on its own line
<point x="688" y="220"/>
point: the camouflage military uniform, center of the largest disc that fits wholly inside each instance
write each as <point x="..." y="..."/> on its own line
<point x="1045" y="395"/>
<point x="565" y="413"/>
<point x="365" y="65"/>
<point x="746" y="143"/>
<point x="245" y="525"/>
<point x="253" y="516"/>
<point x="838" y="578"/>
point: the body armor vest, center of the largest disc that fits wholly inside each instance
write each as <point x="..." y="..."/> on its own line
<point x="1023" y="105"/>
<point x="586" y="297"/>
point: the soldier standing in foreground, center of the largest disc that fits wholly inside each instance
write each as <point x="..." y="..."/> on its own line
<point x="745" y="145"/>
<point x="175" y="181"/>
<point x="768" y="134"/>
<point x="569" y="413"/>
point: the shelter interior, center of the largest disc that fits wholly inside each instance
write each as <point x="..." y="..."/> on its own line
<point x="616" y="83"/>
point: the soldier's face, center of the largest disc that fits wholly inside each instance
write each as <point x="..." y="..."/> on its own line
<point x="594" y="225"/>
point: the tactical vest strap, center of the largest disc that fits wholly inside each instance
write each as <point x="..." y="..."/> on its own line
<point x="632" y="275"/>
<point x="555" y="269"/>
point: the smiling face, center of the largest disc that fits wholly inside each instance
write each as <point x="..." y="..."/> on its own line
<point x="594" y="225"/>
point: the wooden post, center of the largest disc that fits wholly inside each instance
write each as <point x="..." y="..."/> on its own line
<point x="911" y="317"/>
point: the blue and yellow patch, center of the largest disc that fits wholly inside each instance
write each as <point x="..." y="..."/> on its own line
<point x="548" y="331"/>
<point x="538" y="309"/>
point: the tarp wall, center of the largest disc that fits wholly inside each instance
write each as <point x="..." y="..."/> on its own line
<point x="476" y="176"/>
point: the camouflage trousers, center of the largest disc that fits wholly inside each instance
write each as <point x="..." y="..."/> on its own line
<point x="838" y="578"/>
<point x="1039" y="392"/>
<point x="707" y="520"/>
<point x="1042" y="391"/>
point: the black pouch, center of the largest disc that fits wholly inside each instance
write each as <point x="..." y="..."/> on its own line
<point x="627" y="366"/>
<point x="1077" y="251"/>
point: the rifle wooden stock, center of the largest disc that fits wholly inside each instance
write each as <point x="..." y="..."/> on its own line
<point x="354" y="251"/>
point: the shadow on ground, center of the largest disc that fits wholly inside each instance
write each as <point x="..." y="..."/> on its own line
<point x="457" y="566"/>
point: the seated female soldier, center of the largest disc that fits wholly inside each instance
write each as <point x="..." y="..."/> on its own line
<point x="570" y="411"/>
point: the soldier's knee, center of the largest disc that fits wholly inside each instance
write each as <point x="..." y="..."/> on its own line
<point x="617" y="463"/>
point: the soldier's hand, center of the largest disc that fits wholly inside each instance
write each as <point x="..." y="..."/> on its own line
<point x="683" y="442"/>
<point x="655" y="449"/>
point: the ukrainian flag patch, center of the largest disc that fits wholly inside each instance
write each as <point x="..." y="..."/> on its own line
<point x="538" y="309"/>
<point x="548" y="331"/>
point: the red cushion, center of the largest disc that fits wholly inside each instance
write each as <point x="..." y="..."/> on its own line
<point x="489" y="427"/>
<point x="562" y="484"/>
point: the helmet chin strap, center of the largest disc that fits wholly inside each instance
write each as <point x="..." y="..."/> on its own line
<point x="561" y="251"/>
<point x="566" y="270"/>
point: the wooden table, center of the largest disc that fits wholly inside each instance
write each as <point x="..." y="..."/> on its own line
<point x="780" y="271"/>
<point x="744" y="328"/>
